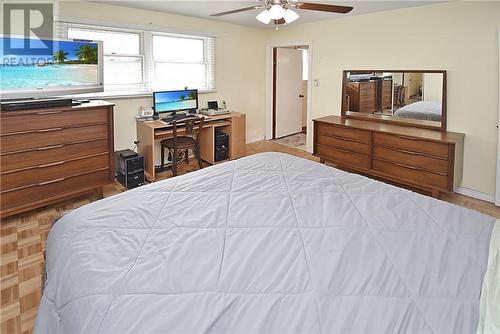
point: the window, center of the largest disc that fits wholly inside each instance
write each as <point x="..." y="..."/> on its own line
<point x="305" y="64"/>
<point x="142" y="60"/>
<point x="123" y="62"/>
<point x="182" y="62"/>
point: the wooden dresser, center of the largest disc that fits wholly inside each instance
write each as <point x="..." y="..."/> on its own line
<point x="425" y="159"/>
<point x="47" y="155"/>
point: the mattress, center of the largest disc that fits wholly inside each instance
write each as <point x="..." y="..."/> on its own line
<point x="424" y="110"/>
<point x="269" y="243"/>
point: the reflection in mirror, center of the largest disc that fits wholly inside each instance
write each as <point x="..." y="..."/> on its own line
<point x="409" y="95"/>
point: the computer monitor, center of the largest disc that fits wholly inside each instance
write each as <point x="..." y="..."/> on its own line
<point x="175" y="100"/>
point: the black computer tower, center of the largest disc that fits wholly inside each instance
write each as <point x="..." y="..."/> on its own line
<point x="129" y="168"/>
<point x="221" y="146"/>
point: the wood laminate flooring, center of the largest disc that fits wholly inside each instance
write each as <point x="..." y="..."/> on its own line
<point x="23" y="240"/>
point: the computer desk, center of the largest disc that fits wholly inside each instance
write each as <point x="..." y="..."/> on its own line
<point x="148" y="132"/>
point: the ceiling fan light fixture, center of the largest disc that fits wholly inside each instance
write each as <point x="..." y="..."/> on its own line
<point x="264" y="16"/>
<point x="276" y="12"/>
<point x="290" y="15"/>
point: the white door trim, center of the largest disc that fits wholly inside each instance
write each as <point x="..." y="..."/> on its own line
<point x="269" y="89"/>
<point x="497" y="193"/>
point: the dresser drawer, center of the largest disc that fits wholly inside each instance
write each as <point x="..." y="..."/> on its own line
<point x="343" y="144"/>
<point x="47" y="119"/>
<point x="53" y="171"/>
<point x="49" y="137"/>
<point x="343" y="156"/>
<point x="410" y="158"/>
<point x="411" y="144"/>
<point x="51" y="154"/>
<point x="345" y="132"/>
<point x="411" y="174"/>
<point x="57" y="188"/>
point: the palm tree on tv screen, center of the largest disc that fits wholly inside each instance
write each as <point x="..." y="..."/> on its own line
<point x="192" y="95"/>
<point x="87" y="54"/>
<point x="182" y="97"/>
<point x="60" y="56"/>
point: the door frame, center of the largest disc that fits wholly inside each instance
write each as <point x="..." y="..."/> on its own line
<point x="497" y="192"/>
<point x="270" y="89"/>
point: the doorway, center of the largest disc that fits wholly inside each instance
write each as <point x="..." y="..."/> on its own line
<point x="288" y="119"/>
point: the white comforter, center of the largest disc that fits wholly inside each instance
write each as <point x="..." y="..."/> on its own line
<point x="270" y="243"/>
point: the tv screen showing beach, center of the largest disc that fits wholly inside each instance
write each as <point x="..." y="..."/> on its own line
<point x="64" y="64"/>
<point x="176" y="100"/>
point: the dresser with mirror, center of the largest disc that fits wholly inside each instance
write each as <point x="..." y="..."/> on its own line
<point x="393" y="127"/>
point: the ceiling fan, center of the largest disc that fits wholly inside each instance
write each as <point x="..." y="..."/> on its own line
<point x="280" y="11"/>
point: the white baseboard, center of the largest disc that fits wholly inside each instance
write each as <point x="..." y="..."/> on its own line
<point x="255" y="139"/>
<point x="475" y="194"/>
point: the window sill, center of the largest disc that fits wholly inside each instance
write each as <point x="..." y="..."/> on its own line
<point x="126" y="95"/>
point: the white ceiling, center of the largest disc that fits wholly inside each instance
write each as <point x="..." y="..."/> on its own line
<point x="203" y="9"/>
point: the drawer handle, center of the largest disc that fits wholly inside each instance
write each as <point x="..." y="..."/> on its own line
<point x="52" y="164"/>
<point x="406" y="137"/>
<point x="402" y="165"/>
<point x="341" y="150"/>
<point x="49" y="130"/>
<point x="49" y="147"/>
<point x="50" y="182"/>
<point x="49" y="112"/>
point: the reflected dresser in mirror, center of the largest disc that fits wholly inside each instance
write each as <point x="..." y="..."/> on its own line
<point x="393" y="127"/>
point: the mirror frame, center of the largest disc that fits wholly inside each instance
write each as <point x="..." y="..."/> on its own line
<point x="389" y="119"/>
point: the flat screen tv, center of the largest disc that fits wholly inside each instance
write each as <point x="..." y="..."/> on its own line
<point x="32" y="68"/>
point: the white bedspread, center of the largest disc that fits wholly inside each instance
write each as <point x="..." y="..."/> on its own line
<point x="269" y="243"/>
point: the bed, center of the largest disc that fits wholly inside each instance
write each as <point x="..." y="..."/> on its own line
<point x="423" y="110"/>
<point x="269" y="243"/>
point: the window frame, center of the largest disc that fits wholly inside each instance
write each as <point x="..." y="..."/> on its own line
<point x="146" y="55"/>
<point x="204" y="61"/>
<point x="140" y="55"/>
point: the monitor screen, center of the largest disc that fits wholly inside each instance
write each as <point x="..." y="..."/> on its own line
<point x="178" y="100"/>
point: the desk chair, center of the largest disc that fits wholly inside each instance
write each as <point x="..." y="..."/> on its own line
<point x="185" y="142"/>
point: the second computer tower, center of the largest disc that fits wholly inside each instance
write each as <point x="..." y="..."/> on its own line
<point x="221" y="146"/>
<point x="129" y="169"/>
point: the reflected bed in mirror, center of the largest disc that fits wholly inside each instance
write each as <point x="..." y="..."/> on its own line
<point x="413" y="97"/>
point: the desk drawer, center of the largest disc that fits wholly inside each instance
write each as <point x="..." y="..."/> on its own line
<point x="54" y="171"/>
<point x="345" y="132"/>
<point x="343" y="156"/>
<point x="50" y="137"/>
<point x="409" y="158"/>
<point x="51" y="154"/>
<point x="343" y="144"/>
<point x="411" y="144"/>
<point x="49" y="119"/>
<point x="48" y="191"/>
<point x="411" y="174"/>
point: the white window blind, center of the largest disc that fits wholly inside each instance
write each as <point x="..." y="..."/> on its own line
<point x="144" y="60"/>
<point x="183" y="62"/>
<point x="123" y="59"/>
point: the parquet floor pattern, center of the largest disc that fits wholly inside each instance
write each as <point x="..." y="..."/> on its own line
<point x="23" y="239"/>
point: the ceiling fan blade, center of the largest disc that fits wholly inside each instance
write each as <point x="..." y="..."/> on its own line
<point x="234" y="11"/>
<point x="325" y="8"/>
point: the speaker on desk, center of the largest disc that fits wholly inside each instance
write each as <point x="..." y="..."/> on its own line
<point x="129" y="168"/>
<point x="221" y="146"/>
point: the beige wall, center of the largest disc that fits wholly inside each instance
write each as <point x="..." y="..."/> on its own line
<point x="460" y="37"/>
<point x="240" y="63"/>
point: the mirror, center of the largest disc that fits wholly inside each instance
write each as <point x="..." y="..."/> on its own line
<point x="409" y="97"/>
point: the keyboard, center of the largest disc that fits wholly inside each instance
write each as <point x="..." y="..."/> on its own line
<point x="176" y="118"/>
<point x="214" y="112"/>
